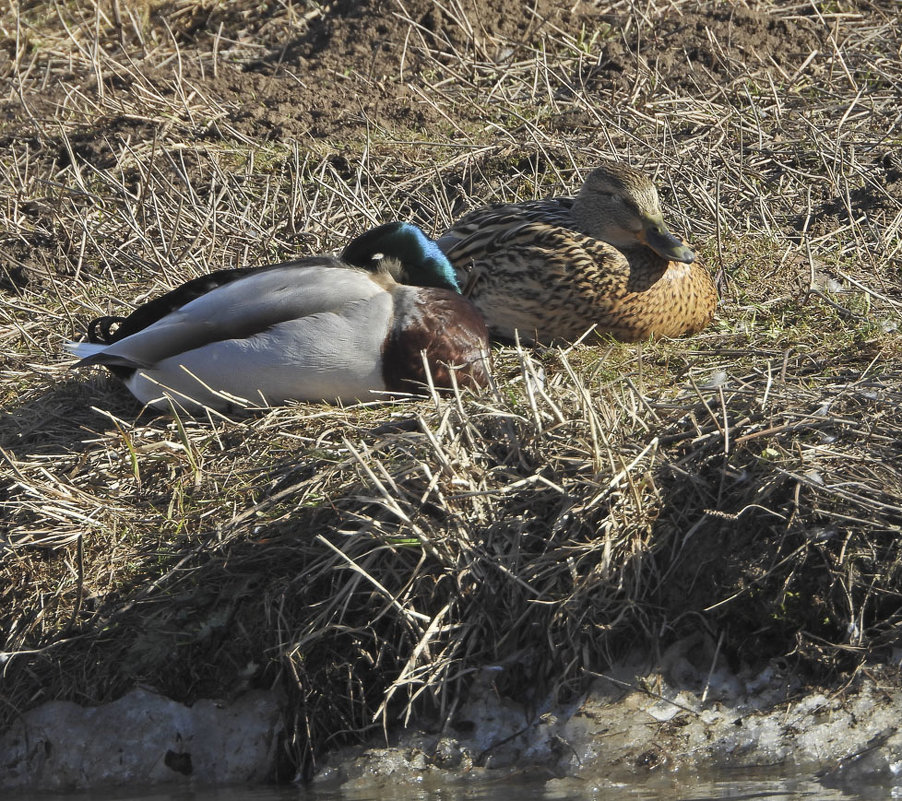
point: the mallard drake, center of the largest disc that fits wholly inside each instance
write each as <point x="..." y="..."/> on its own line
<point x="319" y="328"/>
<point x="550" y="269"/>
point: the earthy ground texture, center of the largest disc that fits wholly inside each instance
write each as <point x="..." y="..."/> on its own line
<point x="368" y="562"/>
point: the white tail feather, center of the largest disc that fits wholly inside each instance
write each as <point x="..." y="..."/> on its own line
<point x="84" y="349"/>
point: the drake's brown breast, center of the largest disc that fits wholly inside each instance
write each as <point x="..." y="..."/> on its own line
<point x="451" y="332"/>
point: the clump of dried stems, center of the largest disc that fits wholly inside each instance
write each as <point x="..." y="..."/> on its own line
<point x="370" y="560"/>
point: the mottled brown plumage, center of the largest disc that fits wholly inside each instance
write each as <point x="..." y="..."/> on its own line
<point x="551" y="269"/>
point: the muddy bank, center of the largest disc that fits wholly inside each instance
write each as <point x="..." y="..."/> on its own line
<point x="690" y="715"/>
<point x="633" y="725"/>
<point x="141" y="739"/>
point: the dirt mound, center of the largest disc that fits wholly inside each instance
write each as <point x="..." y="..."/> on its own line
<point x="371" y="65"/>
<point x="376" y="64"/>
<point x="701" y="52"/>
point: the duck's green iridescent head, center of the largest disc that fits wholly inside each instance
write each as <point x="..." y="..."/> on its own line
<point x="419" y="260"/>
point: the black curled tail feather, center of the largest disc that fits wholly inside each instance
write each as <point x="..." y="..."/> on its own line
<point x="100" y="331"/>
<point x="107" y="330"/>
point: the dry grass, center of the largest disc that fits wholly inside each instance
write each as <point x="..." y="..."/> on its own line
<point x="368" y="560"/>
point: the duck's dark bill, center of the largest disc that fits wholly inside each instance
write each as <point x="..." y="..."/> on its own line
<point x="667" y="246"/>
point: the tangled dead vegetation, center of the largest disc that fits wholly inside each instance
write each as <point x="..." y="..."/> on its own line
<point x="368" y="561"/>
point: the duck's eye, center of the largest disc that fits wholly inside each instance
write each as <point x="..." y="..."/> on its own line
<point x="377" y="256"/>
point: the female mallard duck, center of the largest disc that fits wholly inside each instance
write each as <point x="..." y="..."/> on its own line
<point x="551" y="269"/>
<point x="318" y="328"/>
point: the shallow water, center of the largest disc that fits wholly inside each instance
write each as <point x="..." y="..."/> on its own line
<point x="671" y="788"/>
